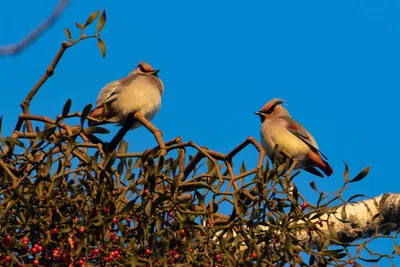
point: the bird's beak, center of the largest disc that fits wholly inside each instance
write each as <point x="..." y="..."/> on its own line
<point x="258" y="113"/>
<point x="155" y="72"/>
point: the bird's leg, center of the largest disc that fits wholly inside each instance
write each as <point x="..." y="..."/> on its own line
<point x="157" y="133"/>
<point x="121" y="133"/>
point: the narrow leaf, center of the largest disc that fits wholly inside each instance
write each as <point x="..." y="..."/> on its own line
<point x="96" y="129"/>
<point x="78" y="25"/>
<point x="66" y="108"/>
<point x="102" y="47"/>
<point x="101" y="22"/>
<point x="91" y="18"/>
<point x="85" y="113"/>
<point x="346" y="172"/>
<point x="361" y="175"/>
<point x="68" y="33"/>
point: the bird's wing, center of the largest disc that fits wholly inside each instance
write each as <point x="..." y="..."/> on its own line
<point x="300" y="132"/>
<point x="107" y="94"/>
<point x="111" y="91"/>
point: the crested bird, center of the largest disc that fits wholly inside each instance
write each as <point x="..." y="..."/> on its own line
<point x="278" y="128"/>
<point x="140" y="91"/>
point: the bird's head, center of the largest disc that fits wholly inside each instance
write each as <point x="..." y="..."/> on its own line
<point x="144" y="67"/>
<point x="272" y="109"/>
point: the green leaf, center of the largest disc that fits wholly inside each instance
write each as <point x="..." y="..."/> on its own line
<point x="79" y="26"/>
<point x="95" y="129"/>
<point x="210" y="165"/>
<point x="361" y="175"/>
<point x="15" y="141"/>
<point x="343" y="213"/>
<point x="194" y="185"/>
<point x="346" y="172"/>
<point x="355" y="196"/>
<point x="242" y="168"/>
<point x="123" y="147"/>
<point x="68" y="33"/>
<point x="160" y="165"/>
<point x="101" y="22"/>
<point x="387" y="228"/>
<point x="102" y="47"/>
<point x="49" y="163"/>
<point x="91" y="18"/>
<point x="66" y="108"/>
<point x="174" y="185"/>
<point x="85" y="113"/>
<point x="313" y="186"/>
<point x="109" y="161"/>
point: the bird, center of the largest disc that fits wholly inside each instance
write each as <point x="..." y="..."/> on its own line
<point x="140" y="91"/>
<point x="278" y="128"/>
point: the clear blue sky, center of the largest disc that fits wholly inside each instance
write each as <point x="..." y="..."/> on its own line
<point x="335" y="62"/>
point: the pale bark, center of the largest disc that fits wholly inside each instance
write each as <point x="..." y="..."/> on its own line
<point x="362" y="220"/>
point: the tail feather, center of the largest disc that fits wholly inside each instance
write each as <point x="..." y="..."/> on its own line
<point x="327" y="169"/>
<point x="320" y="163"/>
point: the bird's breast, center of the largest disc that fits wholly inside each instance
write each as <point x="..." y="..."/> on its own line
<point x="286" y="140"/>
<point x="138" y="96"/>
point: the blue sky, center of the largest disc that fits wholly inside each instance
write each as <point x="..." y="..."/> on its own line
<point x="335" y="62"/>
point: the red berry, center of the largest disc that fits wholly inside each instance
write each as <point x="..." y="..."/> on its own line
<point x="35" y="262"/>
<point x="33" y="250"/>
<point x="81" y="262"/>
<point x="303" y="206"/>
<point x="351" y="262"/>
<point x="148" y="251"/>
<point x="107" y="259"/>
<point x="191" y="250"/>
<point x="40" y="249"/>
<point x="76" y="220"/>
<point x="254" y="255"/>
<point x="116" y="238"/>
<point x="114" y="220"/>
<point x="170" y="214"/>
<point x="217" y="257"/>
<point x="96" y="251"/>
<point x="82" y="229"/>
<point x="183" y="233"/>
<point x="128" y="220"/>
<point x="54" y="231"/>
<point x="8" y="238"/>
<point x="111" y="235"/>
<point x="146" y="191"/>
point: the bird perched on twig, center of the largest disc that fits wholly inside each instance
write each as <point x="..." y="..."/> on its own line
<point x="140" y="91"/>
<point x="278" y="128"/>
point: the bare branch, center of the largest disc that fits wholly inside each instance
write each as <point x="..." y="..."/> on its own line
<point x="36" y="33"/>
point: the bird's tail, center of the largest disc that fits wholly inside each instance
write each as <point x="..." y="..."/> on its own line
<point x="320" y="163"/>
<point x="327" y="169"/>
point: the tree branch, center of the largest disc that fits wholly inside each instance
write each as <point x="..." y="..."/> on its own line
<point x="35" y="34"/>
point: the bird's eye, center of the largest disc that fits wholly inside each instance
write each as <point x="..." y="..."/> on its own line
<point x="141" y="68"/>
<point x="269" y="111"/>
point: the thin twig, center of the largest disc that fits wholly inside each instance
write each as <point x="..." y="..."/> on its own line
<point x="35" y="34"/>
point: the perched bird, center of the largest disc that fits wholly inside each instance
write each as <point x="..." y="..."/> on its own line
<point x="278" y="127"/>
<point x="140" y="91"/>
